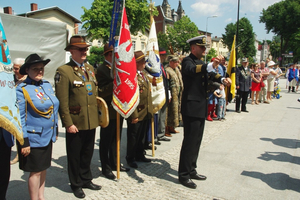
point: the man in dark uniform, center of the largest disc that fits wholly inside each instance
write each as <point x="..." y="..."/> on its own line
<point x="138" y="121"/>
<point x="194" y="108"/>
<point x="76" y="89"/>
<point x="108" y="139"/>
<point x="243" y="84"/>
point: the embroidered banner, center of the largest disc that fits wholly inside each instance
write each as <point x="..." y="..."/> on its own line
<point x="126" y="91"/>
<point x="154" y="70"/>
<point x="9" y="111"/>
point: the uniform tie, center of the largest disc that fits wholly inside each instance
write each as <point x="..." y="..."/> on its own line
<point x="83" y="69"/>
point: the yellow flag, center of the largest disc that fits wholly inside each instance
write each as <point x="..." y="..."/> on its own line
<point x="231" y="69"/>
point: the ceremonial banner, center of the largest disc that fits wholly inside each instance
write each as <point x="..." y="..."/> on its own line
<point x="9" y="111"/>
<point x="126" y="91"/>
<point x="231" y="69"/>
<point x="154" y="71"/>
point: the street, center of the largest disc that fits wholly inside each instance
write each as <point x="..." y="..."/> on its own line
<point x="251" y="155"/>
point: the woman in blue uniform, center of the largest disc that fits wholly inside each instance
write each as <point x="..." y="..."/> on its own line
<point x="38" y="110"/>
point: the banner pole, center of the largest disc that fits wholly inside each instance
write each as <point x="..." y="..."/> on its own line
<point x="152" y="134"/>
<point x="118" y="145"/>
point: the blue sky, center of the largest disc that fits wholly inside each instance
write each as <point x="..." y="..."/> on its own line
<point x="196" y="10"/>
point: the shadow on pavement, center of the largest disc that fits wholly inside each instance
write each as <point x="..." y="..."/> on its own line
<point x="280" y="156"/>
<point x="283" y="142"/>
<point x="278" y="181"/>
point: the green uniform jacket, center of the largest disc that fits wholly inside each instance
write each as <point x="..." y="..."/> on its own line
<point x="77" y="96"/>
<point x="145" y="108"/>
<point x="105" y="85"/>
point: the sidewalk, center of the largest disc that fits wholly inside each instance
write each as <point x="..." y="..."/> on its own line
<point x="249" y="156"/>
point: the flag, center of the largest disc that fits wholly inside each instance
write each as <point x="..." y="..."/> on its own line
<point x="154" y="70"/>
<point x="9" y="111"/>
<point x="114" y="21"/>
<point x="231" y="69"/>
<point x="125" y="90"/>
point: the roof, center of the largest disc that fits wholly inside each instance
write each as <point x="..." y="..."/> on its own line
<point x="216" y="39"/>
<point x="27" y="14"/>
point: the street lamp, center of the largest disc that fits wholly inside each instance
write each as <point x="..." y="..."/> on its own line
<point x="206" y="29"/>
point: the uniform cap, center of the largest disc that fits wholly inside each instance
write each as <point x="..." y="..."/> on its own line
<point x="199" y="40"/>
<point x="139" y="55"/>
<point x="107" y="48"/>
<point x="77" y="41"/>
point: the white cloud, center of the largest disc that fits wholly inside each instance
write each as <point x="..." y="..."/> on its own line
<point x="205" y="9"/>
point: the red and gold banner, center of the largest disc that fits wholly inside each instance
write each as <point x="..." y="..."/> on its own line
<point x="126" y="92"/>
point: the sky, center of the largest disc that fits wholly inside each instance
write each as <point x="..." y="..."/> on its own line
<point x="199" y="11"/>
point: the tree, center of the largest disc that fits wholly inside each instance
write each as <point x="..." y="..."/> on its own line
<point x="282" y="19"/>
<point x="245" y="45"/>
<point x="163" y="40"/>
<point x="212" y="53"/>
<point x="97" y="19"/>
<point x="96" y="55"/>
<point x="182" y="30"/>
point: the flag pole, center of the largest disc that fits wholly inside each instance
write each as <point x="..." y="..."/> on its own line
<point x="118" y="146"/>
<point x="152" y="134"/>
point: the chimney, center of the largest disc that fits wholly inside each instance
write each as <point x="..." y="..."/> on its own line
<point x="7" y="10"/>
<point x="33" y="6"/>
<point x="75" y="29"/>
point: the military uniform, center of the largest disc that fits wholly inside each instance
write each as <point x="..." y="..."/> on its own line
<point x="243" y="80"/>
<point x="194" y="110"/>
<point x="76" y="90"/>
<point x="144" y="112"/>
<point x="107" y="144"/>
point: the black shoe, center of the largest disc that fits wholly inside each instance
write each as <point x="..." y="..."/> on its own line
<point x="122" y="169"/>
<point x="238" y="111"/>
<point x="198" y="177"/>
<point x="144" y="159"/>
<point x="188" y="183"/>
<point x="157" y="142"/>
<point x="245" y="111"/>
<point x="78" y="192"/>
<point x="132" y="164"/>
<point x="163" y="138"/>
<point x="109" y="175"/>
<point x="91" y="186"/>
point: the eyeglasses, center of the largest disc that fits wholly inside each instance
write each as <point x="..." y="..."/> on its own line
<point x="80" y="49"/>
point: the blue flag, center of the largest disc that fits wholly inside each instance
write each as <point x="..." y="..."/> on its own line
<point x="9" y="111"/>
<point x="114" y="21"/>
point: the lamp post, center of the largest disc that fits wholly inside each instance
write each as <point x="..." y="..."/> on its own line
<point x="206" y="29"/>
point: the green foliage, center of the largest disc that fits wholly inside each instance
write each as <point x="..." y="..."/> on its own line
<point x="246" y="39"/>
<point x="282" y="19"/>
<point x="97" y="19"/>
<point x="182" y="30"/>
<point x="275" y="48"/>
<point x="163" y="41"/>
<point x="212" y="53"/>
<point x="96" y="55"/>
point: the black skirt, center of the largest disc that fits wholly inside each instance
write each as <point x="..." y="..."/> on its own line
<point x="38" y="160"/>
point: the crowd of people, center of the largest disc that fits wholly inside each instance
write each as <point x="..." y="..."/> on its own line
<point x="194" y="91"/>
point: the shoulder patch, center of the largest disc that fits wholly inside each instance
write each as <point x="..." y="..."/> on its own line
<point x="57" y="77"/>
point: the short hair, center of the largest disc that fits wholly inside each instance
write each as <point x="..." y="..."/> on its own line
<point x="262" y="62"/>
<point x="19" y="61"/>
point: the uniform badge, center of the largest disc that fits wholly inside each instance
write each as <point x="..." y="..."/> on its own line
<point x="57" y="77"/>
<point x="89" y="88"/>
<point x="36" y="90"/>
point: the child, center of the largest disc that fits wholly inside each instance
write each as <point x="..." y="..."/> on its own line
<point x="220" y="94"/>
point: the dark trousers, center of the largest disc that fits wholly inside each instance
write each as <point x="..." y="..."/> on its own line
<point x="241" y="95"/>
<point x="80" y="148"/>
<point x="135" y="139"/>
<point x="5" y="153"/>
<point x="108" y="145"/>
<point x="193" y="132"/>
